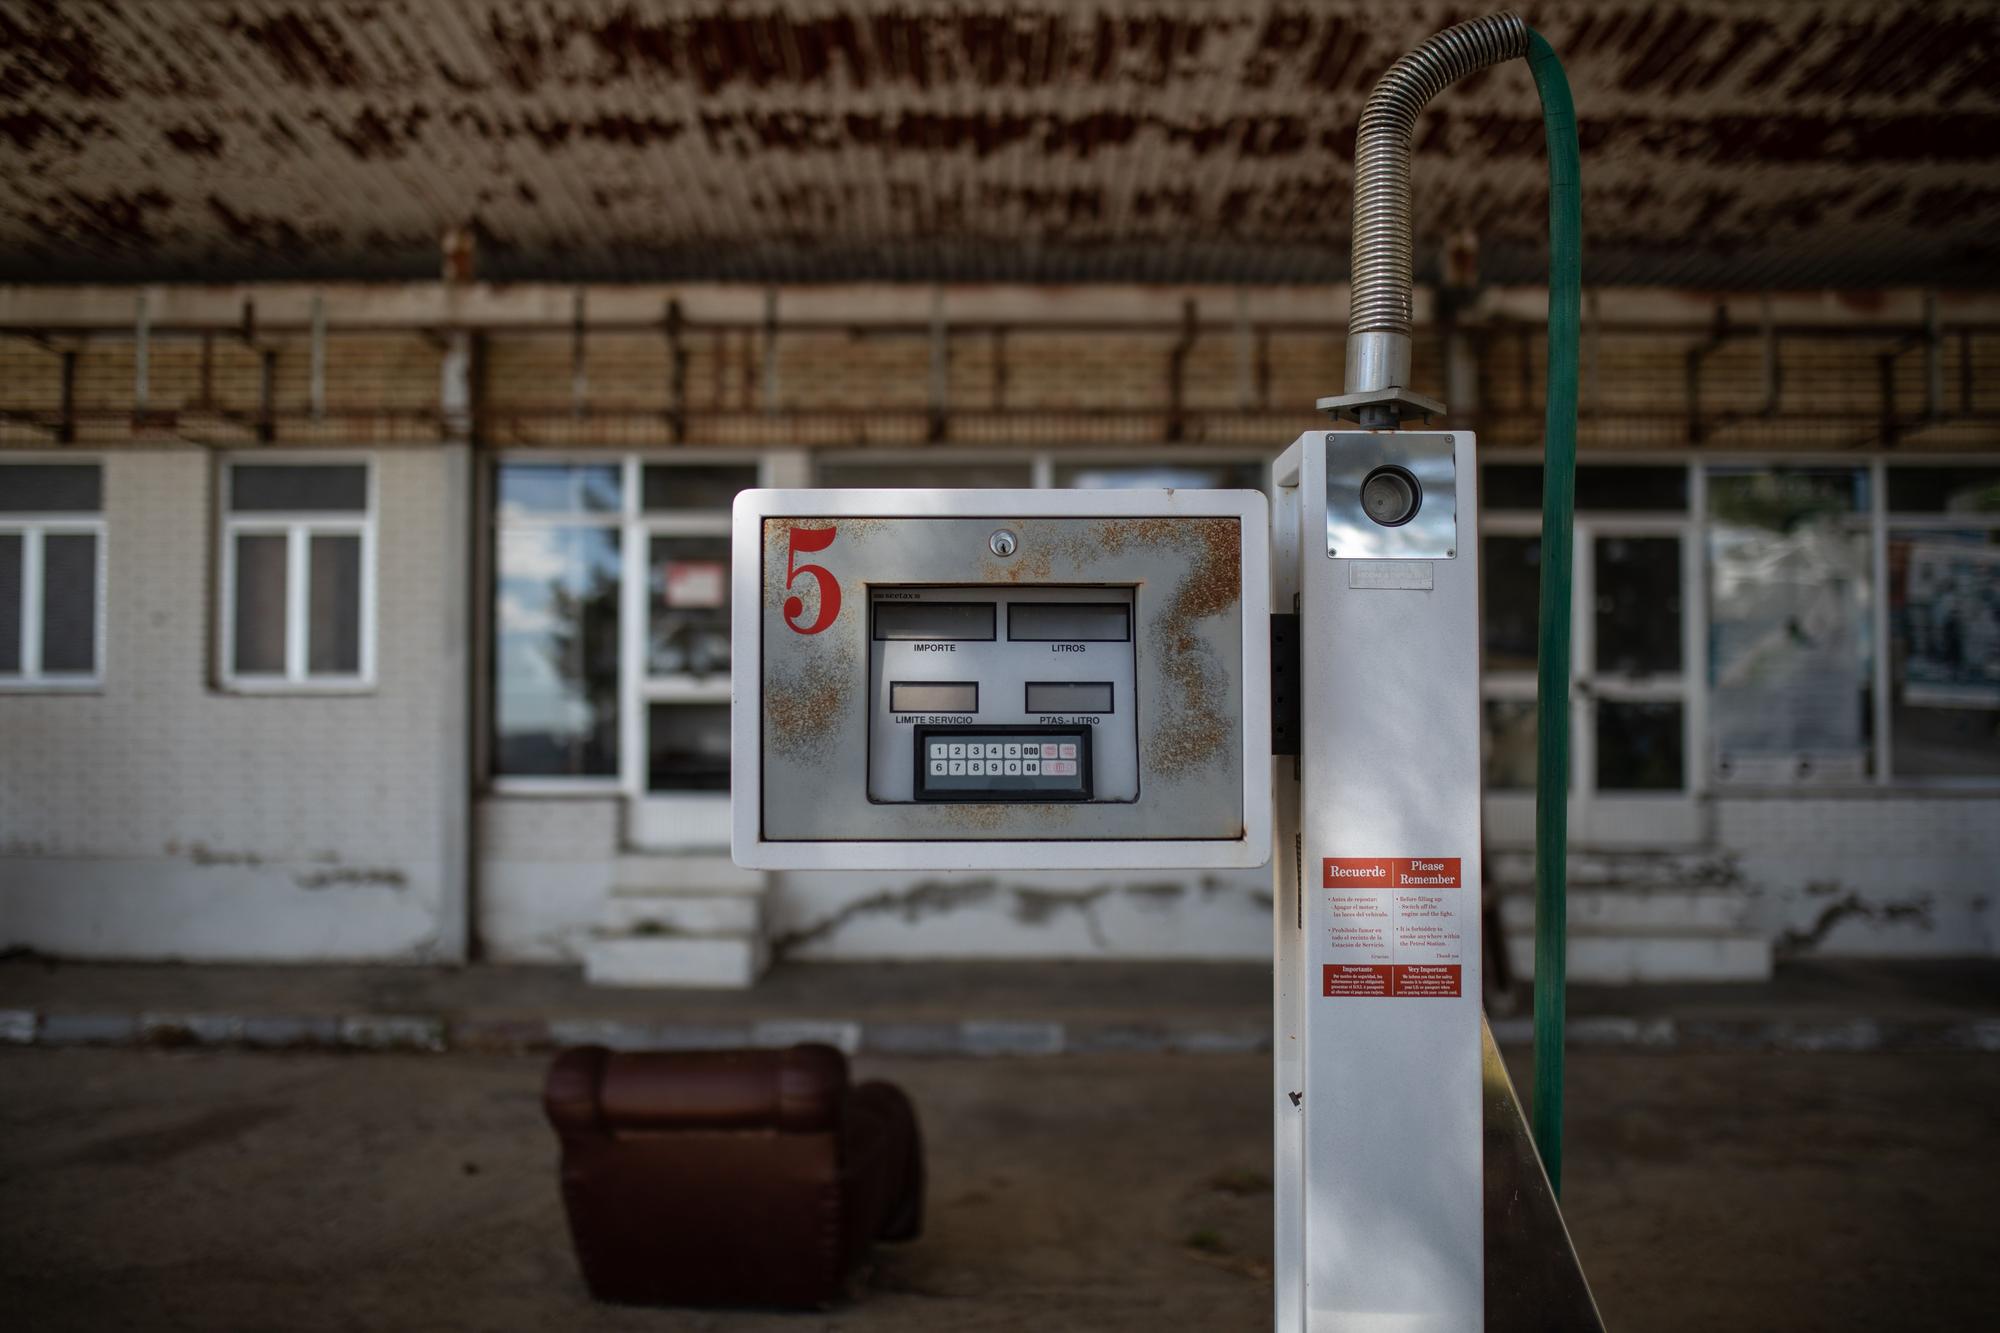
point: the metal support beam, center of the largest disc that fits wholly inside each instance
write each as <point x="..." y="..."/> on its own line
<point x="142" y="347"/>
<point x="1933" y="360"/>
<point x="1890" y="432"/>
<point x="66" y="422"/>
<point x="677" y="373"/>
<point x="316" y="377"/>
<point x="455" y="387"/>
<point x="1773" y="372"/>
<point x="940" y="386"/>
<point x="579" y="370"/>
<point x="267" y="396"/>
<point x="1177" y="373"/>
<point x="771" y="350"/>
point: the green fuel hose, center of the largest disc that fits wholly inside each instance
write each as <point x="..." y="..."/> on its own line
<point x="1553" y="667"/>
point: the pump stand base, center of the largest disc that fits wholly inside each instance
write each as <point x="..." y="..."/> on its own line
<point x="1377" y="408"/>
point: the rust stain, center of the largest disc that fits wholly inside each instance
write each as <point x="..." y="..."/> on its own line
<point x="1033" y="141"/>
<point x="1194" y="728"/>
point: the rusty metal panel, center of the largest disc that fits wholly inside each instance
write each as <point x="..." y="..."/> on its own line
<point x="803" y="697"/>
<point x="1726" y="142"/>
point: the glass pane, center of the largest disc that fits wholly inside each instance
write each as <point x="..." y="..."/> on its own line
<point x="1637" y="618"/>
<point x="559" y="488"/>
<point x="51" y="488"/>
<point x="1944" y="618"/>
<point x="1511" y="486"/>
<point x="69" y="603"/>
<point x="687" y="600"/>
<point x="1620" y="487"/>
<point x="1790" y="651"/>
<point x="1247" y="475"/>
<point x="556" y="661"/>
<point x="298" y="488"/>
<point x="10" y="603"/>
<point x="695" y="486"/>
<point x="1510" y="744"/>
<point x="333" y="634"/>
<point x="1944" y="490"/>
<point x="929" y="476"/>
<point x="687" y="747"/>
<point x="1639" y="746"/>
<point x="260" y="605"/>
<point x="1783" y="499"/>
<point x="1513" y="574"/>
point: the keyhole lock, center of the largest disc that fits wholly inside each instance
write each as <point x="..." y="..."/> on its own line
<point x="1001" y="543"/>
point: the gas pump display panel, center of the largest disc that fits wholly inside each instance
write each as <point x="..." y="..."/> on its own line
<point x="1017" y="679"/>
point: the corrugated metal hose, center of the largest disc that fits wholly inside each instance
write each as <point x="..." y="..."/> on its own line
<point x="1378" y="358"/>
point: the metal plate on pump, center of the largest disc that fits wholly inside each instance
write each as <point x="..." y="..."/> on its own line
<point x="1391" y="495"/>
<point x="1004" y="679"/>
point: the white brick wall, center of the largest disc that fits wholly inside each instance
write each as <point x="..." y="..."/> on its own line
<point x="545" y="866"/>
<point x="163" y="817"/>
<point x="1909" y="874"/>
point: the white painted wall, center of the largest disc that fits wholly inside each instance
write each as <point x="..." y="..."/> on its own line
<point x="1895" y="874"/>
<point x="159" y="817"/>
<point x="1222" y="914"/>
<point x="544" y="868"/>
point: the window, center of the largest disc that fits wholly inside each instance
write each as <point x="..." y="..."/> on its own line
<point x="557" y="578"/>
<point x="51" y="574"/>
<point x="1244" y="475"/>
<point x="868" y="473"/>
<point x="685" y="527"/>
<point x="1790" y="657"/>
<point x="611" y="624"/>
<point x="1943" y="574"/>
<point x="298" y="555"/>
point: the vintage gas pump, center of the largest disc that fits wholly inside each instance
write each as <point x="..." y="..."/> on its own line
<point x="1036" y="680"/>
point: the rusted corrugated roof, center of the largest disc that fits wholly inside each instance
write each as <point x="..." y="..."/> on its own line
<point x="1761" y="142"/>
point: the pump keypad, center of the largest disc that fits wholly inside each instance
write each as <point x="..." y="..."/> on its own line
<point x="975" y="763"/>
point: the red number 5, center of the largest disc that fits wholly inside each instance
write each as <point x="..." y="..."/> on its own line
<point x="810" y="540"/>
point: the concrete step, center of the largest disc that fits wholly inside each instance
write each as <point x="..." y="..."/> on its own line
<point x="639" y="873"/>
<point x="1617" y="959"/>
<point x="1698" y="911"/>
<point x="681" y="914"/>
<point x="716" y="961"/>
<point x="1697" y="868"/>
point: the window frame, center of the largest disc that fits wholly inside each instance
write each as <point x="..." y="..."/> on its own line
<point x="298" y="528"/>
<point x="34" y="527"/>
<point x="1886" y="525"/>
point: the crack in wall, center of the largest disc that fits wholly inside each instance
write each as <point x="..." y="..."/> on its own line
<point x="1793" y="942"/>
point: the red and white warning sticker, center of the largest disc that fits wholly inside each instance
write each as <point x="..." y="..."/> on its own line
<point x="1391" y="927"/>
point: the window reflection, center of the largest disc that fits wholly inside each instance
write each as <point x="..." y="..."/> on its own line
<point x="1510" y="744"/>
<point x="688" y="747"/>
<point x="559" y="488"/>
<point x="1513" y="572"/>
<point x="1246" y="476"/>
<point x="688" y="600"/>
<point x="556" y="668"/>
<point x="1789" y="624"/>
<point x="1637" y="630"/>
<point x="1944" y="617"/>
<point x="1640" y="746"/>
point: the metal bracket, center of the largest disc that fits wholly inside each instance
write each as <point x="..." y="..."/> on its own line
<point x="1284" y="683"/>
<point x="1380" y="407"/>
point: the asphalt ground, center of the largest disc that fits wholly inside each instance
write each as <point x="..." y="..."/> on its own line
<point x="212" y="1189"/>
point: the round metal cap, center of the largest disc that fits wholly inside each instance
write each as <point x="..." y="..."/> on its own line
<point x="1391" y="496"/>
